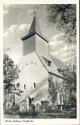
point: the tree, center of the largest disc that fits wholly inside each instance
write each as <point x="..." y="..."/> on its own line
<point x="70" y="74"/>
<point x="70" y="83"/>
<point x="52" y="89"/>
<point x="11" y="74"/>
<point x="64" y="16"/>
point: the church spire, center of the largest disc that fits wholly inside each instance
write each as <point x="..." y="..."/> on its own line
<point x="35" y="28"/>
<point x="35" y="9"/>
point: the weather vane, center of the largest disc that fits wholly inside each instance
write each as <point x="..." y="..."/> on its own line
<point x="35" y="8"/>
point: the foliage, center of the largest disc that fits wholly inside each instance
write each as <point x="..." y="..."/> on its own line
<point x="64" y="16"/>
<point x="52" y="90"/>
<point x="10" y="72"/>
<point x="72" y="100"/>
<point x="70" y="75"/>
<point x="70" y="84"/>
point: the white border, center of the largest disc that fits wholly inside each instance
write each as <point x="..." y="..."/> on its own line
<point x="38" y="121"/>
<point x="40" y="1"/>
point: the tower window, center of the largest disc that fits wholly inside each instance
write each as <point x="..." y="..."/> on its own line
<point x="34" y="85"/>
<point x="24" y="86"/>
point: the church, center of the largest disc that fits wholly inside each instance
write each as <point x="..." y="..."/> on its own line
<point x="37" y="66"/>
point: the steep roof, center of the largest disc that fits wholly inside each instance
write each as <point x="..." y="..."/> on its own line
<point x="35" y="26"/>
<point x="34" y="29"/>
<point x="59" y="64"/>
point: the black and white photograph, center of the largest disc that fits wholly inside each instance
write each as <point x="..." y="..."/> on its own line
<point x="39" y="61"/>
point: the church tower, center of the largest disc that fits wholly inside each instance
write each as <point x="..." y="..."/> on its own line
<point x="33" y="74"/>
<point x="35" y="41"/>
<point x="36" y="64"/>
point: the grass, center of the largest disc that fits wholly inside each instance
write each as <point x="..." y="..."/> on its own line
<point x="46" y="114"/>
<point x="27" y="114"/>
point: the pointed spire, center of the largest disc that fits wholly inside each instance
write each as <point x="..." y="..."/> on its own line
<point x="35" y="28"/>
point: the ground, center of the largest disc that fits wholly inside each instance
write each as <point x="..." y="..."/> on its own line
<point x="47" y="115"/>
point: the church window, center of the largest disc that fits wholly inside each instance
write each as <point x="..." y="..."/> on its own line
<point x="34" y="85"/>
<point x="47" y="61"/>
<point x="24" y="86"/>
<point x="18" y="85"/>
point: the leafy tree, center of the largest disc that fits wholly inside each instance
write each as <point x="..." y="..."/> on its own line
<point x="10" y="72"/>
<point x="70" y="83"/>
<point x="69" y="86"/>
<point x="70" y="75"/>
<point x="52" y="89"/>
<point x="64" y="16"/>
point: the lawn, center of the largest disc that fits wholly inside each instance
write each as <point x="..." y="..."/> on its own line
<point x="43" y="114"/>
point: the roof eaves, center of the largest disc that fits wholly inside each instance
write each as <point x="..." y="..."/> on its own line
<point x="71" y="80"/>
<point x="31" y="34"/>
<point x="27" y="36"/>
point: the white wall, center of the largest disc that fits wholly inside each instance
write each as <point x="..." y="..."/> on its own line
<point x="32" y="71"/>
<point x="41" y="47"/>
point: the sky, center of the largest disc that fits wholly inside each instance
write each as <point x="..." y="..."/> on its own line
<point x="16" y="23"/>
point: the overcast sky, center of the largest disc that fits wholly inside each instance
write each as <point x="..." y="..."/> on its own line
<point x="16" y="23"/>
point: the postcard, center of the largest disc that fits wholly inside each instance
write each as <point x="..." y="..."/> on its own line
<point x="39" y="62"/>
